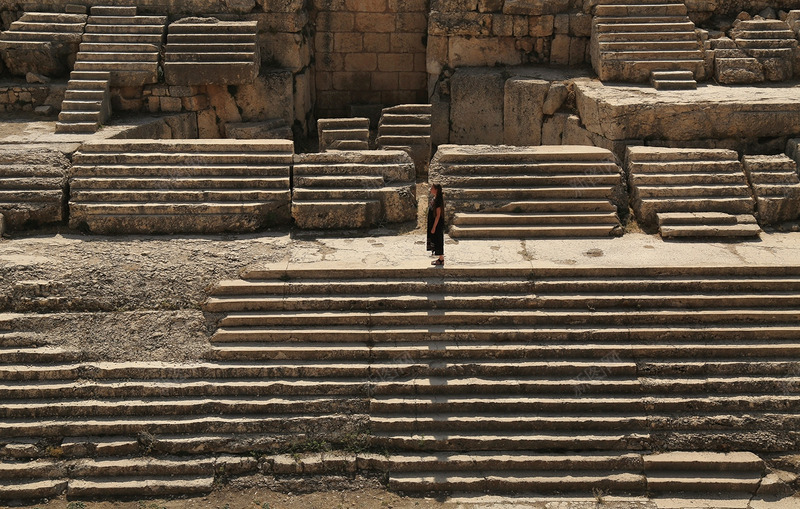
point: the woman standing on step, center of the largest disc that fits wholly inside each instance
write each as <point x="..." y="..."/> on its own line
<point x="436" y="224"/>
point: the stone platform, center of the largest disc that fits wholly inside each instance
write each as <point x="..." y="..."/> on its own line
<point x="639" y="112"/>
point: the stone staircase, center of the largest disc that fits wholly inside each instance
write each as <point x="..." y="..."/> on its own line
<point x="525" y="192"/>
<point x="353" y="189"/>
<point x="42" y="42"/>
<point x="469" y="381"/>
<point x="124" y="44"/>
<point x="758" y="50"/>
<point x="212" y="52"/>
<point x="690" y="192"/>
<point x="633" y="38"/>
<point x="343" y="133"/>
<point x="33" y="181"/>
<point x="776" y="187"/>
<point x="171" y="186"/>
<point x="407" y="127"/>
<point x="87" y="104"/>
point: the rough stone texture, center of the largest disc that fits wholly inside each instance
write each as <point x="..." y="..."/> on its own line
<point x="476" y="107"/>
<point x="738" y="71"/>
<point x="28" y="47"/>
<point x="32" y="183"/>
<point x="2" y="225"/>
<point x="524" y="99"/>
<point x="353" y="189"/>
<point x="556" y="96"/>
<point x="553" y="129"/>
<point x="710" y="112"/>
<point x="271" y="95"/>
<point x="270" y="129"/>
<point x="776" y="187"/>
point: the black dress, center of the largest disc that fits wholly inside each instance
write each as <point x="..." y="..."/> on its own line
<point x="436" y="239"/>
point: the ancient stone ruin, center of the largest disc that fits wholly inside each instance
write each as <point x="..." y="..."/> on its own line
<point x="555" y="121"/>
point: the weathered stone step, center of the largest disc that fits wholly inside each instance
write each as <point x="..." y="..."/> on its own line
<point x="153" y="197"/>
<point x="182" y="182"/>
<point x="29" y="195"/>
<point x="512" y="220"/>
<point x="339" y="182"/>
<point x="466" y="441"/>
<point x="127" y="20"/>
<point x="508" y="350"/>
<point x="730" y="205"/>
<point x="701" y="482"/>
<point x="124" y="29"/>
<point x="239" y="303"/>
<point x="441" y="386"/>
<point x="654" y="35"/>
<point x="32" y="490"/>
<point x="718" y="461"/>
<point x="205" y="166"/>
<point x="53" y="17"/>
<point x="37" y="469"/>
<point x="175" y="57"/>
<point x="76" y="127"/>
<point x="94" y="95"/>
<point x="533" y="181"/>
<point x="102" y="10"/>
<point x="551" y="481"/>
<point x="123" y="38"/>
<point x="691" y="191"/>
<point x="522" y="232"/>
<point x="663" y="54"/>
<point x="46" y="26"/>
<point x="558" y="206"/>
<point x="486" y="460"/>
<point x="672" y="155"/>
<point x="423" y="131"/>
<point x="129" y="47"/>
<point x="167" y="209"/>
<point x="12" y="36"/>
<point x="80" y="116"/>
<point x="117" y="56"/>
<point x="39" y="355"/>
<point x="191" y="148"/>
<point x="510" y="193"/>
<point x="311" y="287"/>
<point x="222" y="27"/>
<point x="604" y="403"/>
<point x="64" y="407"/>
<point x="662" y="9"/>
<point x="274" y="425"/>
<point x="82" y="84"/>
<point x="651" y="46"/>
<point x="155" y="388"/>
<point x="212" y="47"/>
<point x="494" y="155"/>
<point x="115" y="66"/>
<point x="739" y="230"/>
<point x="335" y="195"/>
<point x="546" y="168"/>
<point x="719" y="367"/>
<point x="73" y="105"/>
<point x="212" y="38"/>
<point x="642" y="326"/>
<point x="689" y="178"/>
<point x="667" y="26"/>
<point x="647" y="17"/>
<point x="138" y="487"/>
<point x="506" y="423"/>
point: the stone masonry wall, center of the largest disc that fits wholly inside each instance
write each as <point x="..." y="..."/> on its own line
<point x="369" y="52"/>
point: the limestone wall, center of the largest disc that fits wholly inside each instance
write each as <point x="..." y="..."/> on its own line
<point x="25" y="97"/>
<point x="369" y="52"/>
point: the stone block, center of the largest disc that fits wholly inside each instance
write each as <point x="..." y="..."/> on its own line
<point x="559" y="51"/>
<point x="490" y="5"/>
<point x="580" y="25"/>
<point x="454" y="5"/>
<point x="561" y="24"/>
<point x="476" y="106"/>
<point x="541" y="26"/>
<point x="2" y="225"/>
<point x="171" y="104"/>
<point x="207" y="126"/>
<point x="524" y="98"/>
<point x="461" y="23"/>
<point x="483" y="51"/>
<point x="271" y="95"/>
<point x="575" y="134"/>
<point x="271" y="129"/>
<point x="286" y="50"/>
<point x="738" y="71"/>
<point x="440" y="121"/>
<point x="553" y="129"/>
<point x="535" y="7"/>
<point x="556" y="96"/>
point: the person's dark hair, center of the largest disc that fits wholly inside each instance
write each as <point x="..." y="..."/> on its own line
<point x="438" y="188"/>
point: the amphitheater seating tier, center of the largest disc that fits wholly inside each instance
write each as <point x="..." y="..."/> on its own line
<point x="343" y="133"/>
<point x="648" y="381"/>
<point x="407" y="127"/>
<point x="152" y="186"/>
<point x="690" y="192"/>
<point x="212" y="52"/>
<point x="524" y="192"/>
<point x="42" y="42"/>
<point x="776" y="187"/>
<point x="636" y="41"/>
<point x="353" y="189"/>
<point x="33" y="181"/>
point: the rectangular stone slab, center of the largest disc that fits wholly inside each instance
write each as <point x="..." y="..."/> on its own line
<point x="710" y="112"/>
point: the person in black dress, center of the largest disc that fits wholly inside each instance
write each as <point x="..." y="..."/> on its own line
<point x="436" y="224"/>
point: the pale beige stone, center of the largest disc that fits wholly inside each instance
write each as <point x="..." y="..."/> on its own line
<point x="271" y="95"/>
<point x="476" y="106"/>
<point x="524" y="98"/>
